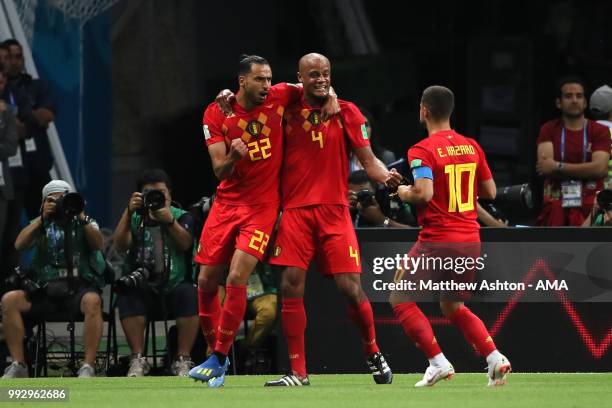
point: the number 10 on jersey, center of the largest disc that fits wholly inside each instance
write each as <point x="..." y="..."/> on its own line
<point x="455" y="187"/>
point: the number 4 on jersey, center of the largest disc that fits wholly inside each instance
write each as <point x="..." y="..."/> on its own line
<point x="317" y="137"/>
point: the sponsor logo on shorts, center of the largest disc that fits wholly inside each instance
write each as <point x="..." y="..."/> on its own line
<point x="277" y="250"/>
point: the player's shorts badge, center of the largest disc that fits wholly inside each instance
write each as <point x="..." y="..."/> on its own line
<point x="254" y="128"/>
<point x="314" y="118"/>
<point x="277" y="251"/>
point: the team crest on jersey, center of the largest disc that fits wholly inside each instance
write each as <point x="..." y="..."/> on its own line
<point x="277" y="251"/>
<point x="314" y="118"/>
<point x="254" y="128"/>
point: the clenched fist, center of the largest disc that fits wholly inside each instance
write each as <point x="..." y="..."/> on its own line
<point x="237" y="149"/>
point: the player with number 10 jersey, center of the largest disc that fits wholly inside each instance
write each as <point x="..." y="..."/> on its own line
<point x="458" y="165"/>
<point x="450" y="171"/>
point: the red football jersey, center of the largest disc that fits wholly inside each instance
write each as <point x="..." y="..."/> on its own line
<point x="458" y="164"/>
<point x="255" y="179"/>
<point x="315" y="167"/>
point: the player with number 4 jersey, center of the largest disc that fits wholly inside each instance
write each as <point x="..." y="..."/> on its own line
<point x="450" y="172"/>
<point x="316" y="223"/>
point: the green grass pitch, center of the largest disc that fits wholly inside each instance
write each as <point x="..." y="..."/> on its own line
<point x="465" y="390"/>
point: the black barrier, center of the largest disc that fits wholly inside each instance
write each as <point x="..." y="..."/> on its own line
<point x="561" y="335"/>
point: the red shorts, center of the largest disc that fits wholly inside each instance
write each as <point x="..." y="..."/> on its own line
<point x="230" y="227"/>
<point x="324" y="232"/>
<point x="443" y="262"/>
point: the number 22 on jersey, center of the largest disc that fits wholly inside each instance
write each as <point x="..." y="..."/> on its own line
<point x="455" y="187"/>
<point x="259" y="149"/>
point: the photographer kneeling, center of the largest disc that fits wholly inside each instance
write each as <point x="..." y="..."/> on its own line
<point x="58" y="282"/>
<point x="157" y="270"/>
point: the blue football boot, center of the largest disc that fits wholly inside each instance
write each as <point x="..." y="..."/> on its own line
<point x="211" y="368"/>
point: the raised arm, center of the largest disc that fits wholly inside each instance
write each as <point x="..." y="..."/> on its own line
<point x="376" y="170"/>
<point x="223" y="162"/>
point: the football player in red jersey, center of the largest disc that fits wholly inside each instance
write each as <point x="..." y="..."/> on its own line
<point x="450" y="171"/>
<point x="316" y="223"/>
<point x="246" y="149"/>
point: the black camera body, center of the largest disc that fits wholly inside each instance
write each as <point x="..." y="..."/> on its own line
<point x="135" y="279"/>
<point x="153" y="200"/>
<point x="22" y="280"/>
<point x="67" y="206"/>
<point x="365" y="198"/>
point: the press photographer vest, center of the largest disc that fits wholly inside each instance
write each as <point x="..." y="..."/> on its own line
<point x="49" y="261"/>
<point x="176" y="264"/>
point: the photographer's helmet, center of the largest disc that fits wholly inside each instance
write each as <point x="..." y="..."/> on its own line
<point x="56" y="186"/>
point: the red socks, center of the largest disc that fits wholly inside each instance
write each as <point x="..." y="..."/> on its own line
<point x="293" y="317"/>
<point x="417" y="327"/>
<point x="473" y="330"/>
<point x="231" y="317"/>
<point x="209" y="311"/>
<point x="362" y="316"/>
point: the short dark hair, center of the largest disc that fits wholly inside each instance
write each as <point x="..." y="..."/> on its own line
<point x="11" y="41"/>
<point x="4" y="46"/>
<point x="246" y="61"/>
<point x="439" y="100"/>
<point x="571" y="79"/>
<point x="151" y="176"/>
<point x="360" y="177"/>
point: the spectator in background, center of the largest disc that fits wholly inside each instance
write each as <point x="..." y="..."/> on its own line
<point x="17" y="103"/>
<point x="262" y="303"/>
<point x="573" y="155"/>
<point x="365" y="209"/>
<point x="157" y="270"/>
<point x="601" y="110"/>
<point x="8" y="147"/>
<point x="384" y="155"/>
<point x="4" y="57"/>
<point x="38" y="158"/>
<point x="261" y="300"/>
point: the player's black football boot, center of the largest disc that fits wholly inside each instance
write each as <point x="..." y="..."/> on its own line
<point x="380" y="369"/>
<point x="289" y="380"/>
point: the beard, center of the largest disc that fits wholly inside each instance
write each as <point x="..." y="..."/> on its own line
<point x="573" y="115"/>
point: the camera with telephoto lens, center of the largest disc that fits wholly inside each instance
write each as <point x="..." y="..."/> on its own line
<point x="21" y="280"/>
<point x="604" y="200"/>
<point x="518" y="195"/>
<point x="134" y="279"/>
<point x="153" y="200"/>
<point x="365" y="198"/>
<point x="68" y="206"/>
